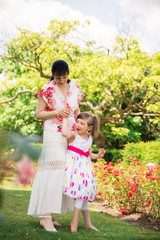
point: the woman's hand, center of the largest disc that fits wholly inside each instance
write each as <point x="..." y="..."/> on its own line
<point x="64" y="113"/>
<point x="101" y="153"/>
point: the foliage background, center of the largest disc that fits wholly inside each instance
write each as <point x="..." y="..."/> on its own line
<point x="120" y="85"/>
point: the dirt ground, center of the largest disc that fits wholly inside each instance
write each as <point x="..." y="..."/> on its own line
<point x="135" y="218"/>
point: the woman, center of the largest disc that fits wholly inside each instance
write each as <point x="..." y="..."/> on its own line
<point x="58" y="99"/>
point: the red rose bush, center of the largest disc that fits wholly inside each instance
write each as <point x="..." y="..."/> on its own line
<point x="133" y="188"/>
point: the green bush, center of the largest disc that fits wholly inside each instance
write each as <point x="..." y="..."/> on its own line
<point x="143" y="151"/>
<point x="112" y="155"/>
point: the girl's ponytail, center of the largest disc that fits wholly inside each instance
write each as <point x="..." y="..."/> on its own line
<point x="95" y="128"/>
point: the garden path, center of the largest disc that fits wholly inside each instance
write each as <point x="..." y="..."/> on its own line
<point x="135" y="219"/>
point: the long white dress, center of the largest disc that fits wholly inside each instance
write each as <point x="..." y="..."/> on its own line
<point x="46" y="195"/>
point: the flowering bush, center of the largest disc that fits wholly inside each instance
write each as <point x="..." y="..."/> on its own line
<point x="132" y="188"/>
<point x="8" y="169"/>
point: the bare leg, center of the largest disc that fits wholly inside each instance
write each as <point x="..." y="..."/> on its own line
<point x="87" y="220"/>
<point x="74" y="223"/>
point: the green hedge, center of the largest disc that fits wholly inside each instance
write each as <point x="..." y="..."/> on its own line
<point x="143" y="151"/>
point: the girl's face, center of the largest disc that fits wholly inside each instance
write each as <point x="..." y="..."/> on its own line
<point x="61" y="79"/>
<point x="82" y="126"/>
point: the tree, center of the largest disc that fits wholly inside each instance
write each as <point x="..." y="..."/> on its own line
<point x="116" y="87"/>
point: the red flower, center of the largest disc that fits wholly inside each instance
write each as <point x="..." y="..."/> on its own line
<point x="116" y="173"/>
<point x="104" y="175"/>
<point x="129" y="194"/>
<point x="119" y="160"/>
<point x="123" y="211"/>
<point x="95" y="166"/>
<point x="133" y="188"/>
<point x="105" y="182"/>
<point x="149" y="202"/>
<point x="139" y="163"/>
<point x="99" y="193"/>
<point x="151" y="192"/>
<point x="111" y="163"/>
<point x="105" y="167"/>
<point x="109" y="169"/>
<point x="117" y="184"/>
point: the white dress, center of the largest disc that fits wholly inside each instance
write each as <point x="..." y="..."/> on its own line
<point x="79" y="180"/>
<point x="46" y="195"/>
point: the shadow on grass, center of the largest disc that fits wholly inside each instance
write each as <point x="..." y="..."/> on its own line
<point x="19" y="226"/>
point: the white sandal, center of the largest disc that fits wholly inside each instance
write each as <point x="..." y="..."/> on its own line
<point x="57" y="224"/>
<point x="47" y="229"/>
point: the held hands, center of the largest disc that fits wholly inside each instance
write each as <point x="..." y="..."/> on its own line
<point x="101" y="153"/>
<point x="65" y="112"/>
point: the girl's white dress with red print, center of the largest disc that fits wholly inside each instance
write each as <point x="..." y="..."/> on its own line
<point x="47" y="196"/>
<point x="79" y="180"/>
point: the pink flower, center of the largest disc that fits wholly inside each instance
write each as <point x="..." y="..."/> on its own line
<point x="65" y="190"/>
<point x="91" y="196"/>
<point x="49" y="92"/>
<point x="41" y="92"/>
<point x="85" y="182"/>
<point x="77" y="85"/>
<point x="73" y="193"/>
<point x="66" y="168"/>
<point x="135" y="177"/>
<point x="123" y="211"/>
<point x="129" y="194"/>
<point x="26" y="171"/>
<point x="71" y="184"/>
<point x="59" y="129"/>
<point x="85" y="198"/>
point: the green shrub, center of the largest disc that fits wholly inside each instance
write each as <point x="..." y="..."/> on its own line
<point x="143" y="151"/>
<point x="112" y="155"/>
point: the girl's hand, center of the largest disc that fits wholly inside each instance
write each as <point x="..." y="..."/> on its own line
<point x="64" y="113"/>
<point x="101" y="153"/>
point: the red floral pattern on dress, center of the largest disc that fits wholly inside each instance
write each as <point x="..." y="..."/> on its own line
<point x="54" y="102"/>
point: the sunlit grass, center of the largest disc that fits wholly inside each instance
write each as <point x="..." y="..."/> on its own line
<point x="19" y="226"/>
<point x="8" y="184"/>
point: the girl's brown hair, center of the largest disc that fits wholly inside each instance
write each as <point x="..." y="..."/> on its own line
<point x="92" y="121"/>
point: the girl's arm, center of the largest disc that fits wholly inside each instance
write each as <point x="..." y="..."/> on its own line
<point x="70" y="135"/>
<point x="41" y="112"/>
<point x="77" y="111"/>
<point x="99" y="155"/>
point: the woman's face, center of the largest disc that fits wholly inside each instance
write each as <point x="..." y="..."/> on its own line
<point x="61" y="79"/>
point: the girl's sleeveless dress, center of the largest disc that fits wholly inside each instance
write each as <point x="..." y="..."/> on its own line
<point x="79" y="180"/>
<point x="47" y="196"/>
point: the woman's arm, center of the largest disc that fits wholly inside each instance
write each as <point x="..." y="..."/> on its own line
<point x="41" y="112"/>
<point x="70" y="135"/>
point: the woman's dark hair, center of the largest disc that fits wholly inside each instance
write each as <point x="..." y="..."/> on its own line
<point x="60" y="68"/>
<point x="92" y="121"/>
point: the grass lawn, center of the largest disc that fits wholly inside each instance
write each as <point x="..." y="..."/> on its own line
<point x="19" y="226"/>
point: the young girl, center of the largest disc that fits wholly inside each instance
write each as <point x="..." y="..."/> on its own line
<point x="79" y="181"/>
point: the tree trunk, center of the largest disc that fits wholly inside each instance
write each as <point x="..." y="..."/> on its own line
<point x="100" y="141"/>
